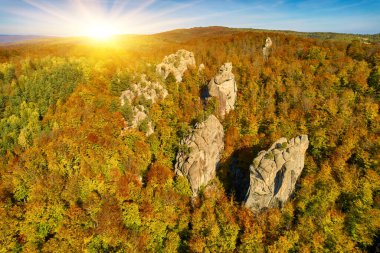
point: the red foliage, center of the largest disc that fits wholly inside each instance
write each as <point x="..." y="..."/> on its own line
<point x="92" y="138"/>
<point x="159" y="173"/>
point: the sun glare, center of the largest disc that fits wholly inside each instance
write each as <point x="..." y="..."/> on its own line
<point x="100" y="31"/>
<point x="99" y="20"/>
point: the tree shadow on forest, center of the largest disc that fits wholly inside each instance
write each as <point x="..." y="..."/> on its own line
<point x="234" y="173"/>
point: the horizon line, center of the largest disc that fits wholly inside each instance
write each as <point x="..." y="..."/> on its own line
<point x="185" y="28"/>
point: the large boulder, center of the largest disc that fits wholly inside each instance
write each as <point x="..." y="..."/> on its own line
<point x="200" y="153"/>
<point x="223" y="87"/>
<point x="267" y="48"/>
<point x="176" y="64"/>
<point x="274" y="173"/>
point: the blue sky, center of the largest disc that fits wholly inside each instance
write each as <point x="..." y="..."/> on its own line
<point x="77" y="17"/>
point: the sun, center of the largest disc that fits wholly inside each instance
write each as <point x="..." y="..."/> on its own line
<point x="100" y="31"/>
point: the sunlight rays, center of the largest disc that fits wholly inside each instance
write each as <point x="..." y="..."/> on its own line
<point x="101" y="19"/>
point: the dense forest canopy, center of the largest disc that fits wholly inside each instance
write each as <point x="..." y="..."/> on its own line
<point x="71" y="179"/>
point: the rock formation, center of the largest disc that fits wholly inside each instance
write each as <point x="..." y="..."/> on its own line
<point x="139" y="115"/>
<point x="147" y="89"/>
<point x="201" y="67"/>
<point x="199" y="155"/>
<point x="223" y="87"/>
<point x="176" y="64"/>
<point x="150" y="91"/>
<point x="267" y="48"/>
<point x="274" y="173"/>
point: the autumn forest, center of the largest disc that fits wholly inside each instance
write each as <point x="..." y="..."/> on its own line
<point x="74" y="177"/>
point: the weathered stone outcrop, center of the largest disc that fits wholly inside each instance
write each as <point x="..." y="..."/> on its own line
<point x="139" y="115"/>
<point x="267" y="48"/>
<point x="150" y="91"/>
<point x="147" y="89"/>
<point x="274" y="173"/>
<point x="201" y="67"/>
<point x="200" y="153"/>
<point x="176" y="64"/>
<point x="223" y="87"/>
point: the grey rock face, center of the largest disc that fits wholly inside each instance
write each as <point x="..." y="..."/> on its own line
<point x="267" y="48"/>
<point x="223" y="87"/>
<point x="176" y="64"/>
<point x="200" y="153"/>
<point x="274" y="173"/>
<point x="149" y="91"/>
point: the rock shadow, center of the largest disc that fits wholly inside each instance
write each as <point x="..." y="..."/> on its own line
<point x="204" y="93"/>
<point x="234" y="173"/>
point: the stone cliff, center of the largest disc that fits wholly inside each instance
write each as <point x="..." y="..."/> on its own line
<point x="274" y="173"/>
<point x="223" y="87"/>
<point x="200" y="153"/>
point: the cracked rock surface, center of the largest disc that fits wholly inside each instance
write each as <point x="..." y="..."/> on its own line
<point x="200" y="153"/>
<point x="274" y="173"/>
<point x="223" y="87"/>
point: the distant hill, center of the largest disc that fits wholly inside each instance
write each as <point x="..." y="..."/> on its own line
<point x="18" y="38"/>
<point x="185" y="35"/>
<point x="347" y="37"/>
<point x="181" y="35"/>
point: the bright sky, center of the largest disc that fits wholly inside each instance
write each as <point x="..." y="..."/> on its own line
<point x="82" y="17"/>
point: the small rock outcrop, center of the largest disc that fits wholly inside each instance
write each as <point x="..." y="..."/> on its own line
<point x="274" y="173"/>
<point x="176" y="64"/>
<point x="267" y="48"/>
<point x="200" y="153"/>
<point x="139" y="116"/>
<point x="201" y="67"/>
<point x="223" y="87"/>
<point x="149" y="91"/>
